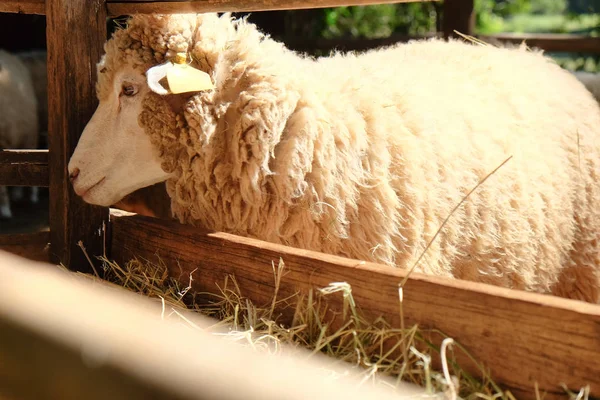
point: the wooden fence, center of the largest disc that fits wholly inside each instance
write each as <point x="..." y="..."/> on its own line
<point x="523" y="338"/>
<point x="79" y="346"/>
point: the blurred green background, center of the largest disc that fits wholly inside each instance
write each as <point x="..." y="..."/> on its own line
<point x="502" y="16"/>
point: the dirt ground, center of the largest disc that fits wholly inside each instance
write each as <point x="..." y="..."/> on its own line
<point x="27" y="217"/>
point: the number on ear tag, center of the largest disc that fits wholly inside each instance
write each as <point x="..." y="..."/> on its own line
<point x="182" y="79"/>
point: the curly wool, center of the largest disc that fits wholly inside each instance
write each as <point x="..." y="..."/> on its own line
<point x="365" y="155"/>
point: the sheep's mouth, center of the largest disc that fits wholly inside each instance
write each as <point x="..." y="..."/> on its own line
<point x="89" y="189"/>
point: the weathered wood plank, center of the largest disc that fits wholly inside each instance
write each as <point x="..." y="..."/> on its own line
<point x="551" y="42"/>
<point x="76" y="32"/>
<point x="128" y="7"/>
<point x="24" y="168"/>
<point x="33" y="246"/>
<point x="30" y="156"/>
<point x="522" y="337"/>
<point x="64" y="337"/>
<point x="23" y="174"/>
<point x="23" y="6"/>
<point x="458" y="15"/>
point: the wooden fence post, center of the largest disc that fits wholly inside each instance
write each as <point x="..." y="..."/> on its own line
<point x="458" y="15"/>
<point x="75" y="34"/>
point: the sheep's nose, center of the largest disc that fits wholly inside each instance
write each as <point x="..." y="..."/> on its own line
<point x="73" y="175"/>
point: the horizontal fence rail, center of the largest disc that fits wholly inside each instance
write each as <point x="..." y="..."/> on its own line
<point x="126" y="7"/>
<point x="24" y="168"/>
<point x="551" y="42"/>
<point x="523" y="338"/>
<point x="32" y="246"/>
<point x="23" y="6"/>
<point x="67" y="337"/>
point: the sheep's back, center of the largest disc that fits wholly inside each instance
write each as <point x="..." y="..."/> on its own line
<point x="37" y="66"/>
<point x="417" y="126"/>
<point x="18" y="105"/>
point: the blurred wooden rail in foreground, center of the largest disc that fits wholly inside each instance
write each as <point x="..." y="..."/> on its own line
<point x="66" y="337"/>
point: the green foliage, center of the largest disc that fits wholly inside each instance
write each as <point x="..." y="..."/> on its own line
<point x="488" y="16"/>
<point x="548" y="7"/>
<point x="533" y="16"/>
<point x="380" y="20"/>
<point x="492" y="16"/>
<point x="578" y="62"/>
<point x="530" y="23"/>
<point x="370" y="22"/>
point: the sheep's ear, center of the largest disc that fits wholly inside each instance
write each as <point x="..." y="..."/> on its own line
<point x="155" y="74"/>
<point x="183" y="78"/>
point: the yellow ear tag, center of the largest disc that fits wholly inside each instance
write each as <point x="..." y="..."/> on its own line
<point x="183" y="78"/>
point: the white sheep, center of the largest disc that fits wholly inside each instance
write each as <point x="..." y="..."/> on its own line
<point x="18" y="117"/>
<point x="362" y="156"/>
<point x="36" y="62"/>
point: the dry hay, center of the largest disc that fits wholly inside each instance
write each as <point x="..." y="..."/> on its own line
<point x="357" y="342"/>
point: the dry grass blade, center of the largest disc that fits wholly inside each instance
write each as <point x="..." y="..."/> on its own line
<point x="481" y="182"/>
<point x="472" y="39"/>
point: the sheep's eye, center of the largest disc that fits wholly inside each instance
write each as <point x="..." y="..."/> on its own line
<point x="128" y="90"/>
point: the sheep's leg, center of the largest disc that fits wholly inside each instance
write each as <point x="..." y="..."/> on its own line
<point x="34" y="196"/>
<point x="5" y="211"/>
<point x="17" y="193"/>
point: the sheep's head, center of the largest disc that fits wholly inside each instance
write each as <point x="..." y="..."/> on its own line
<point x="118" y="152"/>
<point x="114" y="156"/>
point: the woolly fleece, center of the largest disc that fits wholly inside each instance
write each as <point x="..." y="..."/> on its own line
<point x="365" y="155"/>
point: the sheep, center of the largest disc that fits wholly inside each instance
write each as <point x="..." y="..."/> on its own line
<point x="37" y="65"/>
<point x="359" y="155"/>
<point x="18" y="117"/>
